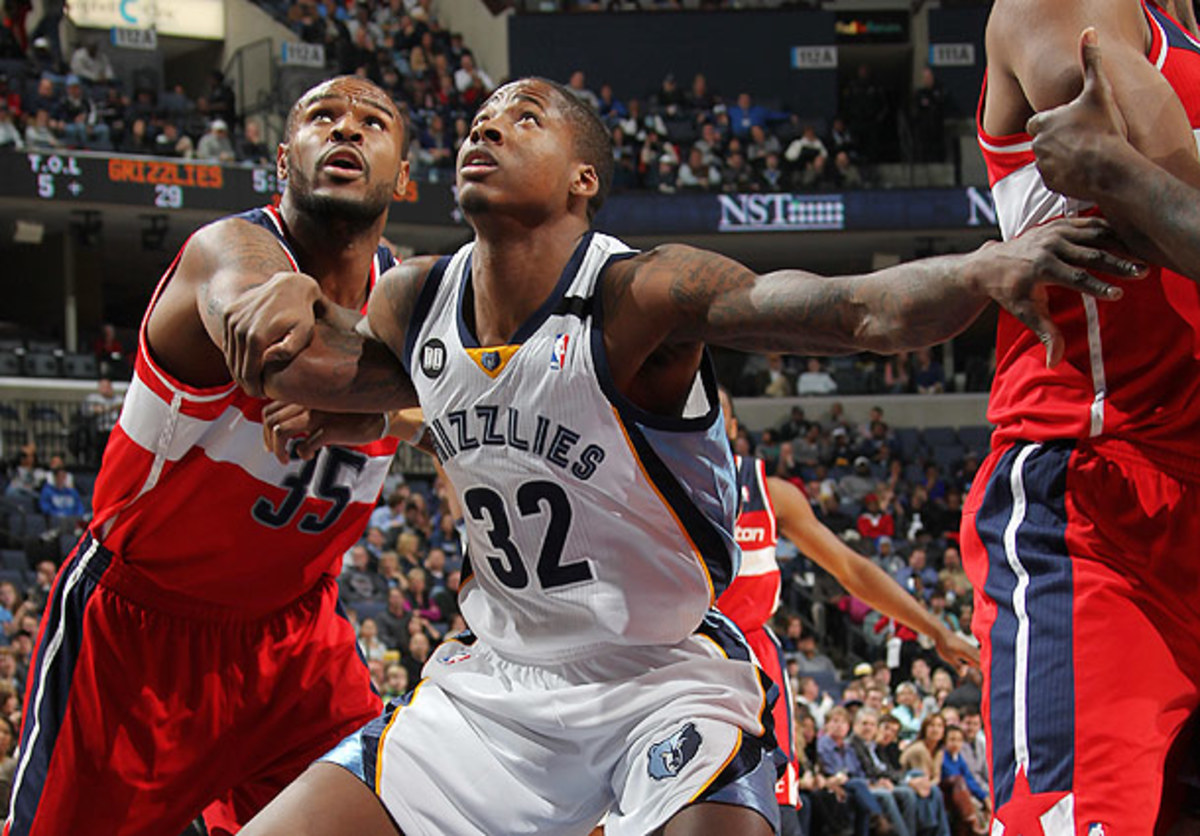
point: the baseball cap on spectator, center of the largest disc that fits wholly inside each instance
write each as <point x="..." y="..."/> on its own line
<point x="838" y="431"/>
<point x="73" y="79"/>
<point x="863" y="669"/>
<point x="41" y="42"/>
<point x="219" y="125"/>
<point x="862" y="461"/>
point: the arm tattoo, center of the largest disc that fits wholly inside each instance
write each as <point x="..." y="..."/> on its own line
<point x="719" y="301"/>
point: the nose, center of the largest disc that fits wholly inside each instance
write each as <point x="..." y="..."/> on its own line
<point x="485" y="131"/>
<point x="347" y="129"/>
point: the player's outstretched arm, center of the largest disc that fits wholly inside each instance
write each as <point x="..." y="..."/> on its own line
<point x="1084" y="150"/>
<point x="694" y="296"/>
<point x="861" y="578"/>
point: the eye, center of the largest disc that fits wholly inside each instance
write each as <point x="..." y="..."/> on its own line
<point x="322" y="116"/>
<point x="375" y="122"/>
<point x="529" y="115"/>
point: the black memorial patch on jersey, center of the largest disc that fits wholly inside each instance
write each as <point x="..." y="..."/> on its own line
<point x="433" y="357"/>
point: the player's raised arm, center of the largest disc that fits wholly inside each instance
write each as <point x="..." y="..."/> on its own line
<point x="861" y="578"/>
<point x="691" y="295"/>
<point x="1083" y="150"/>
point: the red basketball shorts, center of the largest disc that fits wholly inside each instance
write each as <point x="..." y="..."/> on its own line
<point x="1084" y="558"/>
<point x="142" y="710"/>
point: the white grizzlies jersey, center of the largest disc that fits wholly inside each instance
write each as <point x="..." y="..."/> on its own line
<point x="590" y="522"/>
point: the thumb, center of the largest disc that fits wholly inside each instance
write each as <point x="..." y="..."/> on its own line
<point x="1089" y="47"/>
<point x="287" y="348"/>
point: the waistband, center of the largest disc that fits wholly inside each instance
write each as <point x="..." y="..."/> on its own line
<point x="113" y="573"/>
<point x="1139" y="454"/>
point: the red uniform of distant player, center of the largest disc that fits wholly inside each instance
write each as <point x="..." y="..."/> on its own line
<point x="1078" y="535"/>
<point x="193" y="654"/>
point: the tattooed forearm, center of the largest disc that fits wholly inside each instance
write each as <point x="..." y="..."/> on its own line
<point x="722" y="302"/>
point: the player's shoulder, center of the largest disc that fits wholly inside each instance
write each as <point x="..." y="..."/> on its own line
<point x="398" y="293"/>
<point x="1013" y="23"/>
<point x="230" y="240"/>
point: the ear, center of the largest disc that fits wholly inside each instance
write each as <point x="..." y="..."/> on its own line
<point x="586" y="182"/>
<point x="401" y="189"/>
<point x="281" y="162"/>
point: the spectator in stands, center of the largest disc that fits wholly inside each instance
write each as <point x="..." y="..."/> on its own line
<point x="974" y="749"/>
<point x="817" y="702"/>
<point x="393" y="622"/>
<point x="865" y="107"/>
<point x="90" y="64"/>
<point x="897" y="799"/>
<point x="39" y="135"/>
<point x="358" y="583"/>
<point x="917" y="574"/>
<point x="368" y="641"/>
<point x="578" y="86"/>
<point x="222" y="103"/>
<point x="215" y="144"/>
<point x="418" y="597"/>
<point x="955" y="767"/>
<point x="102" y="409"/>
<point x="418" y="649"/>
<point x="805" y="148"/>
<point x="776" y="381"/>
<point x="815" y="380"/>
<point x="697" y="175"/>
<point x="61" y="502"/>
<point x="745" y="115"/>
<point x="875" y="523"/>
<point x="82" y="126"/>
<point x="810" y="661"/>
<point x="859" y="483"/>
<point x="10" y="96"/>
<point x="929" y="119"/>
<point x="612" y="110"/>
<point x="251" y="148"/>
<point x="24" y="482"/>
<point x="929" y="376"/>
<point x="909" y="711"/>
<point x="839" y="763"/>
<point x="140" y="139"/>
<point x="699" y="98"/>
<point x="840" y="138"/>
<point x="171" y="143"/>
<point x="10" y="135"/>
<point x="395" y="682"/>
<point x="774" y="178"/>
<point x="468" y="74"/>
<point x="845" y="173"/>
<point x="760" y="145"/>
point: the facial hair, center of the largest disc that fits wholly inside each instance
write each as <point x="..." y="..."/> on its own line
<point x="351" y="213"/>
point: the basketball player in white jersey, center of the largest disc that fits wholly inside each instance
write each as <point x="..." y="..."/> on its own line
<point x="564" y="381"/>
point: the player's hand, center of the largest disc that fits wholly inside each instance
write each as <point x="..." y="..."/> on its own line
<point x="956" y="650"/>
<point x="292" y="429"/>
<point x="269" y="323"/>
<point x="1074" y="142"/>
<point x="1065" y="252"/>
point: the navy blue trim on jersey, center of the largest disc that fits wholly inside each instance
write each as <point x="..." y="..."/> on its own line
<point x="420" y="313"/>
<point x="1041" y="550"/>
<point x="51" y="691"/>
<point x="750" y="487"/>
<point x="1176" y="37"/>
<point x="362" y="657"/>
<point x="785" y="694"/>
<point x="530" y="326"/>
<point x="714" y="550"/>
<point x="747" y="781"/>
<point x="629" y="410"/>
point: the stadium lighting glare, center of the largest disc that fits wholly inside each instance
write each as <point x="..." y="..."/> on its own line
<point x="29" y="232"/>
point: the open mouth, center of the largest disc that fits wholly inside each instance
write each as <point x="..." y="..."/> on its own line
<point x="344" y="161"/>
<point x="478" y="161"/>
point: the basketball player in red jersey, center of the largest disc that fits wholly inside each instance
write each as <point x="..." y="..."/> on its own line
<point x="1078" y="528"/>
<point x="193" y="652"/>
<point x="770" y="506"/>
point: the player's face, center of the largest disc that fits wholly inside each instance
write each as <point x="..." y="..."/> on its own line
<point x="519" y="156"/>
<point x="345" y="153"/>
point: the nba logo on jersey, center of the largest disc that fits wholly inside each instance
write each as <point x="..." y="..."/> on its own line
<point x="558" y="356"/>
<point x="671" y="755"/>
<point x="1095" y="829"/>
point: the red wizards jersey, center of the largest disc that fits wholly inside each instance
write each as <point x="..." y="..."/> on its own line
<point x="188" y="498"/>
<point x="751" y="599"/>
<point x="1131" y="370"/>
<point x="754" y="594"/>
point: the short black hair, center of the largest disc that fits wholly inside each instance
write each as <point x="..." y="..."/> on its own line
<point x="593" y="142"/>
